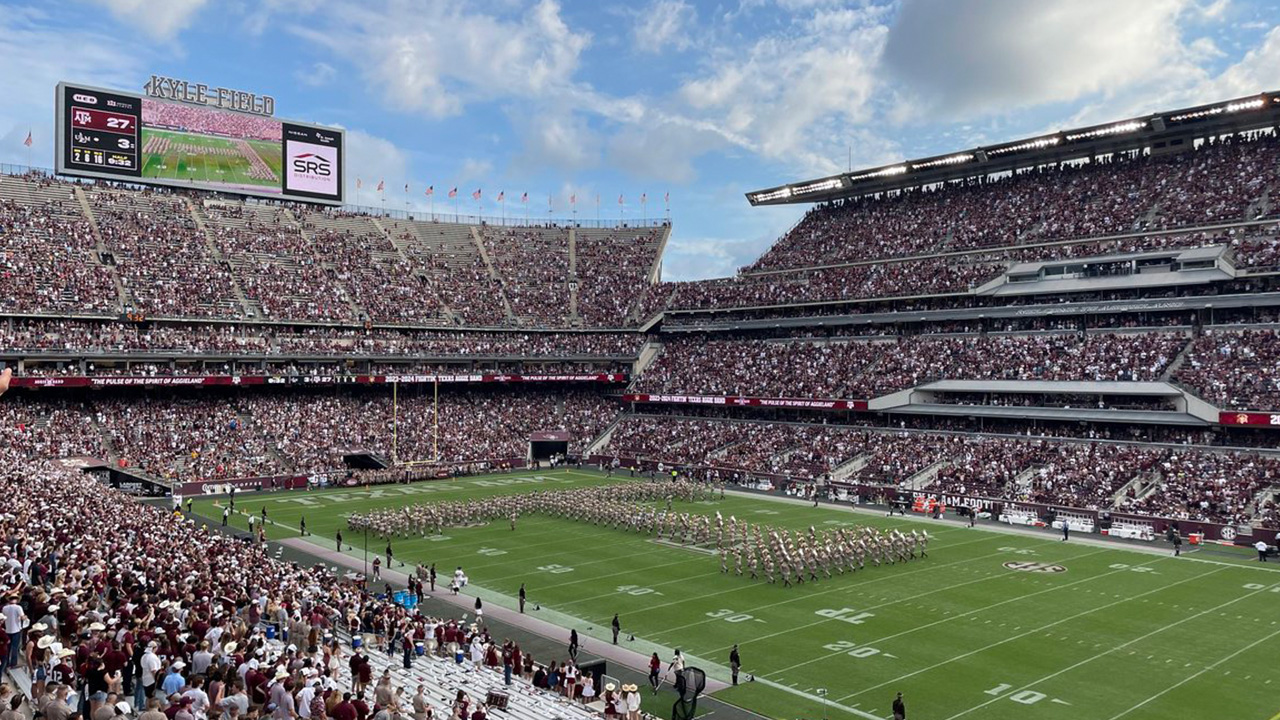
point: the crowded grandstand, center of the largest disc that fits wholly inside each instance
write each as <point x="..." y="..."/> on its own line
<point x="1080" y="329"/>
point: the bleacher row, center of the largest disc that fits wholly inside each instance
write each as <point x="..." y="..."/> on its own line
<point x="1231" y="368"/>
<point x="210" y="437"/>
<point x="140" y="583"/>
<point x="99" y="249"/>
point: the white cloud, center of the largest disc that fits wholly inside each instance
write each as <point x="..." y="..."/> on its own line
<point x="472" y="171"/>
<point x="161" y="20"/>
<point x="555" y="138"/>
<point x="36" y="58"/>
<point x="664" y="24"/>
<point x="993" y="55"/>
<point x="438" y="56"/>
<point x="317" y="75"/>
<point x="1258" y="71"/>
<point x="662" y="151"/>
<point x="793" y="96"/>
<point x="372" y="159"/>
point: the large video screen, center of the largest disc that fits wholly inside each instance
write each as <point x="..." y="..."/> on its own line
<point x="108" y="134"/>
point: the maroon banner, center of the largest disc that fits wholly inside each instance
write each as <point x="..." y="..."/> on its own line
<point x="743" y="401"/>
<point x="1249" y="418"/>
<point x="213" y="380"/>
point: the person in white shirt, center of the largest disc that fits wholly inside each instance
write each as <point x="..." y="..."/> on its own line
<point x="199" y="698"/>
<point x="1261" y="547"/>
<point x="15" y="619"/>
<point x="202" y="659"/>
<point x="677" y="665"/>
<point x="150" y="666"/>
<point x="305" y="696"/>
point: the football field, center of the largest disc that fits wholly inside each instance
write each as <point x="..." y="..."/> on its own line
<point x="190" y="157"/>
<point x="993" y="625"/>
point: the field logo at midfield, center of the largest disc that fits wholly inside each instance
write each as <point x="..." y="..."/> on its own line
<point x="1036" y="567"/>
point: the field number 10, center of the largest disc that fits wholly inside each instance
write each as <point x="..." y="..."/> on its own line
<point x="1026" y="697"/>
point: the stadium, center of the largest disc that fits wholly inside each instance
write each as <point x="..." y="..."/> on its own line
<point x="990" y="433"/>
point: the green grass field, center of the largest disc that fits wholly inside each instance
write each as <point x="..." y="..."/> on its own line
<point x="212" y="168"/>
<point x="1118" y="634"/>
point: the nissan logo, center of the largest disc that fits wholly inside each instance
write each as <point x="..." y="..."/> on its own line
<point x="86" y="99"/>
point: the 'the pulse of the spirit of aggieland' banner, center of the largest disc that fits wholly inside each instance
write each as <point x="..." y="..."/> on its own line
<point x="745" y="401"/>
<point x="208" y="380"/>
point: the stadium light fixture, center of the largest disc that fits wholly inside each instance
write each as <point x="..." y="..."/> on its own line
<point x="883" y="172"/>
<point x="819" y="186"/>
<point x="1231" y="107"/>
<point x="1116" y="129"/>
<point x="779" y="194"/>
<point x="949" y="160"/>
<point x="1035" y="144"/>
<point x="1253" y="104"/>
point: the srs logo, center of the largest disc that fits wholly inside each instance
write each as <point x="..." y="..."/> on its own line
<point x="312" y="164"/>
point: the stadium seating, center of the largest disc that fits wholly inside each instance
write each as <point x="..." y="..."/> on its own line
<point x="1187" y="484"/>
<point x="1236" y="370"/>
<point x="184" y="438"/>
<point x="860" y="369"/>
<point x="1219" y="182"/>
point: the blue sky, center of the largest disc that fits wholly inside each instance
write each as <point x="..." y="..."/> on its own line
<point x="705" y="100"/>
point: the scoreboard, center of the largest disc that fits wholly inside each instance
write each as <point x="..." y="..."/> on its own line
<point x="101" y="133"/>
<point x="124" y="136"/>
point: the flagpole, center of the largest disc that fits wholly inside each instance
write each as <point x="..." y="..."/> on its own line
<point x="597" y="209"/>
<point x="406" y="200"/>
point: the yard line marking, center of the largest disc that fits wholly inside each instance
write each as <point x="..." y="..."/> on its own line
<point x="847" y="708"/>
<point x="889" y="601"/>
<point x="1032" y="631"/>
<point x="843" y="588"/>
<point x="952" y="617"/>
<point x="1188" y="679"/>
<point x="1122" y="646"/>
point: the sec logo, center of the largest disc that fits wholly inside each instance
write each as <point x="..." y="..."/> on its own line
<point x="1036" y="567"/>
